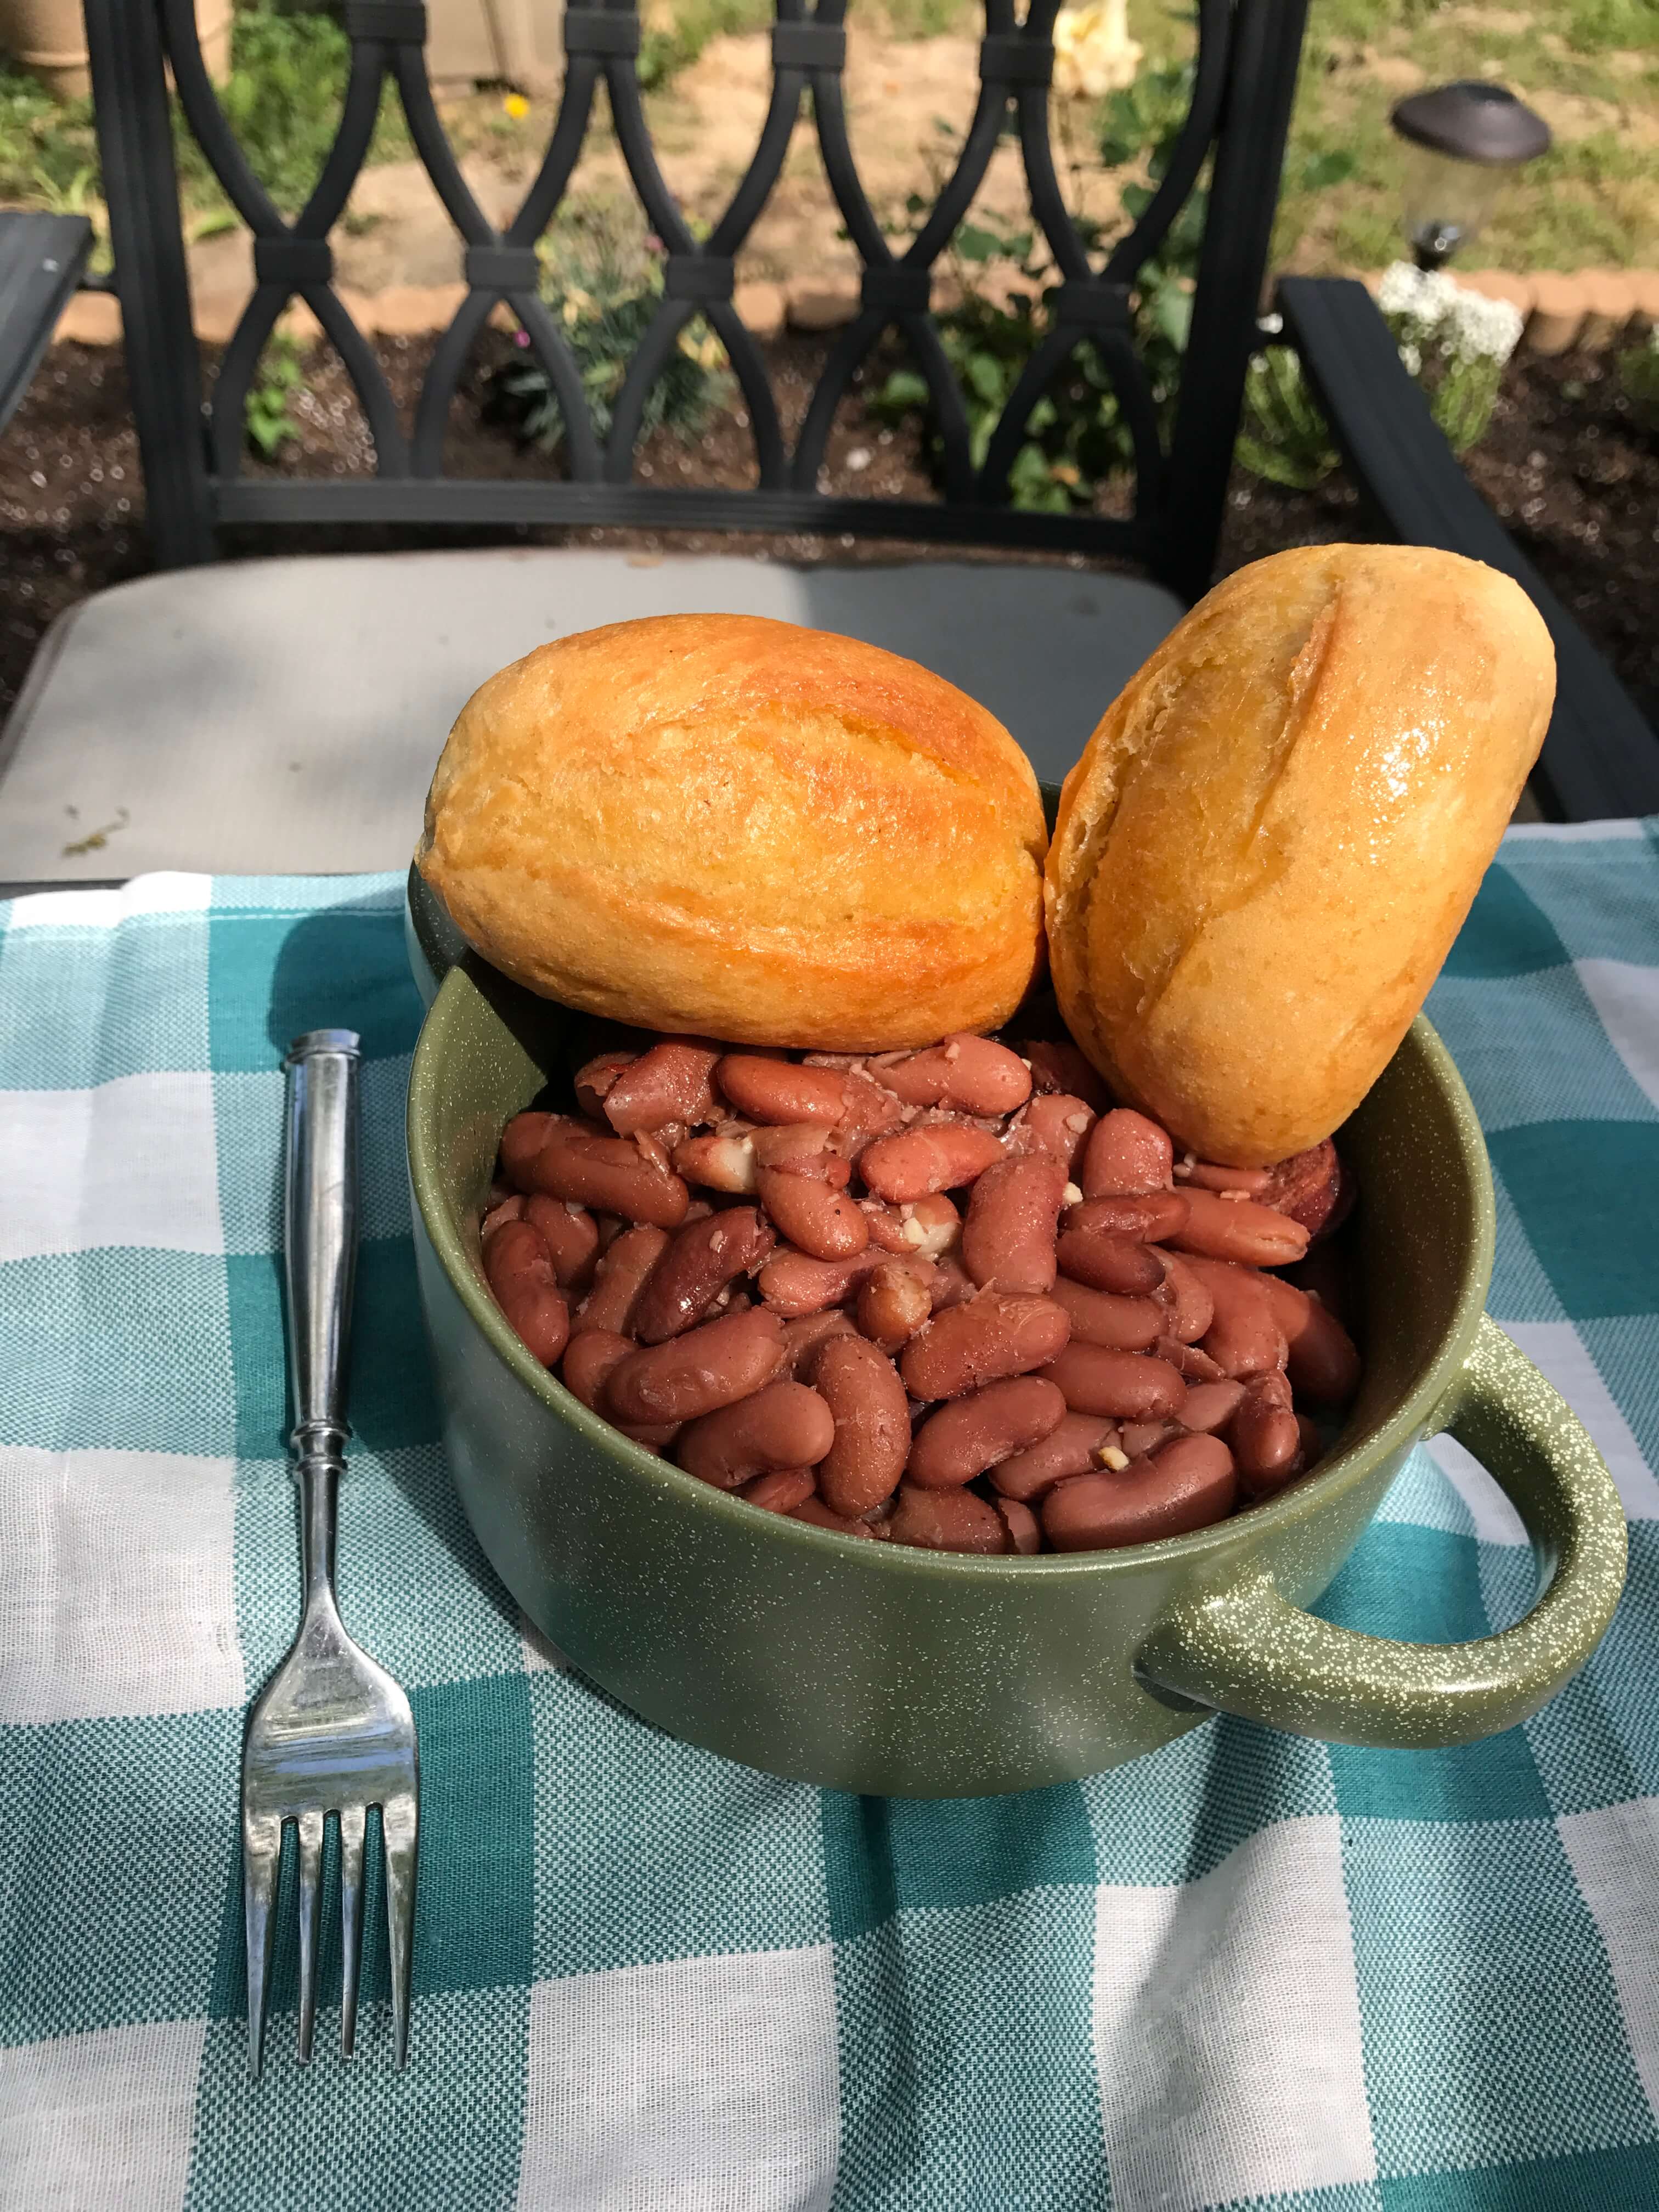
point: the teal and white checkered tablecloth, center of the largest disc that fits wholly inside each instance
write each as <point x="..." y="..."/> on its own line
<point x="1248" y="1971"/>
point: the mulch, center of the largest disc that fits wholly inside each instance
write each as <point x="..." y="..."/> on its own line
<point x="1564" y="463"/>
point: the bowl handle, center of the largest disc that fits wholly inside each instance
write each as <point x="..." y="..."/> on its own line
<point x="1242" y="1648"/>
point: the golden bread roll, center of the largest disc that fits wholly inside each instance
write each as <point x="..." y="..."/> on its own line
<point x="720" y="823"/>
<point x="1263" y="856"/>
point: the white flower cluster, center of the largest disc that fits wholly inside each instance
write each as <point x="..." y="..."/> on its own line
<point x="1429" y="309"/>
<point x="1094" y="53"/>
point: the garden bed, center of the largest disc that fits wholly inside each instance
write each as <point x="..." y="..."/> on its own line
<point x="1563" y="463"/>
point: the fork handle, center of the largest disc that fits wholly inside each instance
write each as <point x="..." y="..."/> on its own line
<point x="320" y="1238"/>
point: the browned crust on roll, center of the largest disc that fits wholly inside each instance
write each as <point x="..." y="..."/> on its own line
<point x="733" y="825"/>
<point x="1263" y="856"/>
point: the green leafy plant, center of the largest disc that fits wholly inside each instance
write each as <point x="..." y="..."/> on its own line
<point x="1639" y="376"/>
<point x="268" y="410"/>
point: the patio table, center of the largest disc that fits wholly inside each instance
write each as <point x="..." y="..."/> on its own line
<point x="1249" y="1970"/>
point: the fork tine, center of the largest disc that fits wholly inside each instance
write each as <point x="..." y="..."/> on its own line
<point x="262" y="1853"/>
<point x="353" y="1820"/>
<point x="311" y="1898"/>
<point x="399" y="1818"/>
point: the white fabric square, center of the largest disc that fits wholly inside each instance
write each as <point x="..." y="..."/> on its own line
<point x="1496" y="1520"/>
<point x="541" y="1655"/>
<point x="1615" y="1855"/>
<point x="161" y="892"/>
<point x="96" y="2121"/>
<point x="1626" y="997"/>
<point x="702" y="2082"/>
<point x="1557" y="1349"/>
<point x="119" y="1597"/>
<point x="134" y="1162"/>
<point x="1227" y="2029"/>
<point x="1616" y="829"/>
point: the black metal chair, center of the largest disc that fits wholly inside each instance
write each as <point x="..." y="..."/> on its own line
<point x="285" y="713"/>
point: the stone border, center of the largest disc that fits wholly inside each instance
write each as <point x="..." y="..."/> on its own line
<point x="1594" y="308"/>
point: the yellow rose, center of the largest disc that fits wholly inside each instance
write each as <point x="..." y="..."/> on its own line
<point x="1094" y="53"/>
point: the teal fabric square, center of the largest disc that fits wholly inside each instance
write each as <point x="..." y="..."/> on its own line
<point x="1493" y="2032"/>
<point x="113" y="1843"/>
<point x="1626" y="1350"/>
<point x="1536" y="1052"/>
<point x="885" y="1855"/>
<point x="1521" y="1291"/>
<point x="79" y="1006"/>
<point x="475" y="1908"/>
<point x="1593" y="2181"/>
<point x="1597" y="1741"/>
<point x="1573" y="1184"/>
<point x="966" y="2058"/>
<point x="274" y="974"/>
<point x="1176" y="1814"/>
<point x="1597" y="895"/>
<point x="1507" y="933"/>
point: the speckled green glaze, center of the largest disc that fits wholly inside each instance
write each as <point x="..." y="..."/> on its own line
<point x="868" y="1667"/>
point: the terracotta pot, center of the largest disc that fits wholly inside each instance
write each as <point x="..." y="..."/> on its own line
<point x="47" y="38"/>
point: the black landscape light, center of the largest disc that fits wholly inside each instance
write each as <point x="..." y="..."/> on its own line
<point x="1464" y="139"/>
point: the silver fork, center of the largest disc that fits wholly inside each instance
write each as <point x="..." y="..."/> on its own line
<point x="331" y="1732"/>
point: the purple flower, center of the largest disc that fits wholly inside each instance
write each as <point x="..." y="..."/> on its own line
<point x="521" y="338"/>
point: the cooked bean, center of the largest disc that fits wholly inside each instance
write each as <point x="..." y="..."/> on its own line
<point x="974" y="1074"/>
<point x="819" y="1516"/>
<point x="894" y="1301"/>
<point x="697" y="1373"/>
<point x="704" y="1257"/>
<point x="804" y="1147"/>
<point x="1152" y="1219"/>
<point x="1056" y="1126"/>
<point x="783" y="1425"/>
<point x="1008" y="1235"/>
<point x="1137" y="1438"/>
<point x="588" y="1359"/>
<point x="1189" y="1361"/>
<point x="952" y="1284"/>
<point x="718" y="1163"/>
<point x="816" y="1218"/>
<point x="571" y="1235"/>
<point x="1186" y="1300"/>
<point x="1185" y="1484"/>
<point x="945" y="1521"/>
<point x="503" y="1211"/>
<point x="1105" y="1262"/>
<point x="520" y="1268"/>
<point x="944" y="1156"/>
<point x="1073" y="1446"/>
<point x="594" y="1078"/>
<point x="1128" y="1386"/>
<point x="1243" y="1338"/>
<point x="924" y="1227"/>
<point x="1265" y="1438"/>
<point x="1058" y="1065"/>
<point x="1313" y="1444"/>
<point x="863" y="1392"/>
<point x="623" y="1270"/>
<point x="1098" y="1317"/>
<point x="1321" y="1360"/>
<point x="521" y="1141"/>
<point x="1226" y="1229"/>
<point x="780" y="1089"/>
<point x="803" y="1336"/>
<point x="669" y="1083"/>
<point x="780" y="1493"/>
<point x="615" y="1173"/>
<point x="1020" y="1524"/>
<point x="1210" y="1406"/>
<point x="1127" y="1156"/>
<point x="997" y="1334"/>
<point x="1312" y="1188"/>
<point x="1209" y="1175"/>
<point x="972" y="1434"/>
<point x="794" y="1282"/>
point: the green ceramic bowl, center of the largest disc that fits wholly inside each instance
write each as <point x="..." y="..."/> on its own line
<point x="873" y="1667"/>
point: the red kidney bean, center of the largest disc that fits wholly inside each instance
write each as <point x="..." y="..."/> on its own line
<point x="794" y="1282"/>
<point x="1265" y="1440"/>
<point x="945" y="1521"/>
<point x="1321" y="1360"/>
<point x="1098" y="1317"/>
<point x="815" y="1218"/>
<point x="504" y="1210"/>
<point x="803" y="1336"/>
<point x="1185" y="1484"/>
<point x="952" y="1284"/>
<point x="780" y="1089"/>
<point x="863" y="1392"/>
<point x="1137" y="1438"/>
<point x="871" y="1110"/>
<point x="587" y="1361"/>
<point x="1105" y="1262"/>
<point x="704" y="1257"/>
<point x="1243" y="1338"/>
<point x="697" y="1373"/>
<point x="1057" y="1127"/>
<point x="819" y="1516"/>
<point x="521" y="1141"/>
<point x="1008" y="1237"/>
<point x="718" y="1163"/>
<point x="972" y="1434"/>
<point x="1059" y="1067"/>
<point x="780" y="1493"/>
<point x="944" y="1156"/>
<point x="783" y="1425"/>
<point x="1128" y="1386"/>
<point x="1186" y="1300"/>
<point x="1127" y="1156"/>
<point x="996" y="1334"/>
<point x="1217" y="1228"/>
<point x="1210" y="1406"/>
<point x="1152" y="1219"/>
<point x="671" y="1082"/>
<point x="808" y="1148"/>
<point x="1193" y="1364"/>
<point x="571" y="1235"/>
<point x="1311" y="1189"/>
<point x="894" y="1300"/>
<point x="1073" y="1446"/>
<point x="520" y="1268"/>
<point x="974" y="1074"/>
<point x="623" y="1270"/>
<point x="1020" y="1525"/>
<point x="1210" y="1175"/>
<point x="614" y="1172"/>
<point x="923" y="1228"/>
<point x="595" y="1078"/>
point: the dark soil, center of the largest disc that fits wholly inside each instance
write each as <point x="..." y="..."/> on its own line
<point x="1563" y="464"/>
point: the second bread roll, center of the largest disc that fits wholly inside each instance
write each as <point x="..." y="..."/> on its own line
<point x="1263" y="856"/>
